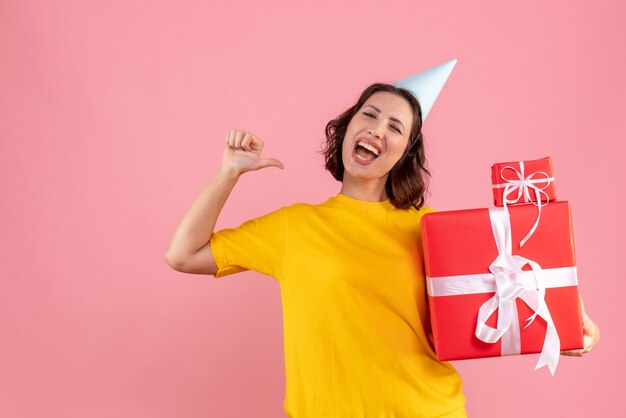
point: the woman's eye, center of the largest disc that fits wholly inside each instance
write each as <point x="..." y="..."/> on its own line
<point x="396" y="129"/>
<point x="369" y="115"/>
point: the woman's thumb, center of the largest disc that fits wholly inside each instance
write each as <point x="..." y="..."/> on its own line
<point x="270" y="162"/>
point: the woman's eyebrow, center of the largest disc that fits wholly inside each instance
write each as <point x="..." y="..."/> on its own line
<point x="391" y="117"/>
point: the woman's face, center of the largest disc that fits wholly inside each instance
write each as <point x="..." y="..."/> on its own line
<point x="377" y="136"/>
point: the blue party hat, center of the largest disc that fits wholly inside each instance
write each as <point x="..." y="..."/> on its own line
<point x="427" y="85"/>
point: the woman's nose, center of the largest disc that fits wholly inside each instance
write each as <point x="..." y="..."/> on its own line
<point x="374" y="132"/>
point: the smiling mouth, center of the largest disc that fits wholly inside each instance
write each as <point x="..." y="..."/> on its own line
<point x="365" y="151"/>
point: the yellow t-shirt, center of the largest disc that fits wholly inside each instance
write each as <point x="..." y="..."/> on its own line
<point x="354" y="308"/>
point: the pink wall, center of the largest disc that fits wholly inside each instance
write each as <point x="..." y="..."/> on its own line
<point x="112" y="119"/>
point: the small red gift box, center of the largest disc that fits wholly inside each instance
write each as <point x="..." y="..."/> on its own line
<point x="523" y="182"/>
<point x="482" y="287"/>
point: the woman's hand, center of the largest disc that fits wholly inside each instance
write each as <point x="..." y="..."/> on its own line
<point x="243" y="153"/>
<point x="591" y="335"/>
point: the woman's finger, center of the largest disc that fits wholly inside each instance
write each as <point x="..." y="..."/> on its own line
<point x="231" y="137"/>
<point x="256" y="144"/>
<point x="238" y="138"/>
<point x="245" y="142"/>
<point x="573" y="353"/>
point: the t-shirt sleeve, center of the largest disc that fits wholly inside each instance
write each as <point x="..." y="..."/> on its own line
<point x="257" y="244"/>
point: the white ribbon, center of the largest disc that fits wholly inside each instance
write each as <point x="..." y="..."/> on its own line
<point x="509" y="282"/>
<point x="523" y="185"/>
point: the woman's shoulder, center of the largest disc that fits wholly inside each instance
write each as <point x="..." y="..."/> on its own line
<point x="426" y="209"/>
<point x="414" y="214"/>
<point x="421" y="211"/>
<point x="337" y="203"/>
<point x="300" y="207"/>
<point x="306" y="207"/>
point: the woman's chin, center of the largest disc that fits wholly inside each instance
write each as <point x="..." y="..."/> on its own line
<point x="362" y="173"/>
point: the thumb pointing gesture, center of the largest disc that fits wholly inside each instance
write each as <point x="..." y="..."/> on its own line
<point x="269" y="162"/>
<point x="243" y="153"/>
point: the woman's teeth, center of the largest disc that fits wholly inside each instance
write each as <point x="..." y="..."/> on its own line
<point x="368" y="147"/>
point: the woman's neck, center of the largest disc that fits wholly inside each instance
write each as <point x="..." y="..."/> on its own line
<point x="366" y="190"/>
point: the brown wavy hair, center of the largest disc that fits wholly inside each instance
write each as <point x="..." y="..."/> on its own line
<point x="407" y="182"/>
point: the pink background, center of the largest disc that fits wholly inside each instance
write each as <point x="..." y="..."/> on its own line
<point x="112" y="119"/>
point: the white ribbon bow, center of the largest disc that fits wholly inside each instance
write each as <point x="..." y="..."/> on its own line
<point x="512" y="283"/>
<point x="523" y="185"/>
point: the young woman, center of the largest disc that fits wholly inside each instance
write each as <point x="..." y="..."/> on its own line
<point x="350" y="269"/>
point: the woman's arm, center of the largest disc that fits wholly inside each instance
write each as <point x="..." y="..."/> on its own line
<point x="591" y="335"/>
<point x="189" y="250"/>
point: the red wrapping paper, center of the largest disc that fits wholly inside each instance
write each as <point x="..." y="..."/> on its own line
<point x="461" y="242"/>
<point x="500" y="175"/>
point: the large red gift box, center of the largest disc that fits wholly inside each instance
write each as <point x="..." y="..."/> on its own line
<point x="459" y="248"/>
<point x="523" y="182"/>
